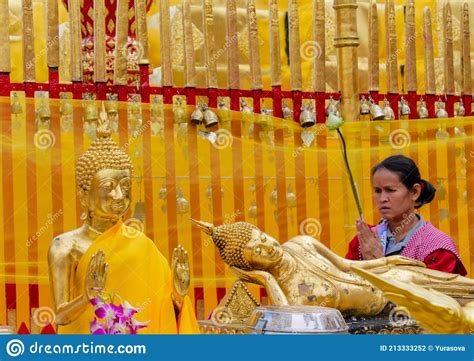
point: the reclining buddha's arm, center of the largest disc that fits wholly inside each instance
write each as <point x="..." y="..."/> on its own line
<point x="275" y="294"/>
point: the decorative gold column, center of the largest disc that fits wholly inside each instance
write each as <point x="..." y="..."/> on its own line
<point x="448" y="49"/>
<point x="121" y="43"/>
<point x="254" y="47"/>
<point x="295" y="46"/>
<point x="209" y="44"/>
<point x="410" y="41"/>
<point x="5" y="66"/>
<point x="275" y="60"/>
<point x="466" y="51"/>
<point x="52" y="41"/>
<point x="391" y="46"/>
<point x="319" y="69"/>
<point x="232" y="46"/>
<point x="374" y="64"/>
<point x="346" y="41"/>
<point x="189" y="62"/>
<point x="166" y="64"/>
<point x="74" y="8"/>
<point x="99" y="41"/>
<point x="430" y="79"/>
<point x="142" y="32"/>
<point x="28" y="42"/>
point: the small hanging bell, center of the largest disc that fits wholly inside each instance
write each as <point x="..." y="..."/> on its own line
<point x="441" y="110"/>
<point x="155" y="108"/>
<point x="210" y="118"/>
<point x="375" y="111"/>
<point x="364" y="106"/>
<point x="422" y="110"/>
<point x="163" y="192"/>
<point x="265" y="118"/>
<point x="223" y="111"/>
<point x="307" y="118"/>
<point x="43" y="115"/>
<point x="221" y="104"/>
<point x="139" y="212"/>
<point x="111" y="105"/>
<point x="135" y="107"/>
<point x="290" y="197"/>
<point x="179" y="112"/>
<point x="244" y="108"/>
<point x="287" y="111"/>
<point x="91" y="113"/>
<point x="461" y="111"/>
<point x="274" y="196"/>
<point x="331" y="108"/>
<point x="182" y="204"/>
<point x="197" y="115"/>
<point x="404" y="107"/>
<point x="65" y="106"/>
<point x="387" y="110"/>
<point x="16" y="107"/>
<point x="253" y="210"/>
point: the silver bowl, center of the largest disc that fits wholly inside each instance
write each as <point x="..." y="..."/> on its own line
<point x="296" y="319"/>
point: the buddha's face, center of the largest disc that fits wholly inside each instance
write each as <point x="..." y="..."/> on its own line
<point x="262" y="251"/>
<point x="109" y="195"/>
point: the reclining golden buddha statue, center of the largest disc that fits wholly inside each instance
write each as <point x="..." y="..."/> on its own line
<point x="105" y="256"/>
<point x="435" y="311"/>
<point x="303" y="271"/>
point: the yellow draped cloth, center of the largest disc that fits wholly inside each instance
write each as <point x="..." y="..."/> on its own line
<point x="138" y="273"/>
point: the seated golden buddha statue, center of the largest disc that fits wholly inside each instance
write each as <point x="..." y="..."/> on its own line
<point x="303" y="271"/>
<point x="104" y="256"/>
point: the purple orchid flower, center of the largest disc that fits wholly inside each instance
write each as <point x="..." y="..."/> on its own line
<point x="116" y="319"/>
<point x="98" y="328"/>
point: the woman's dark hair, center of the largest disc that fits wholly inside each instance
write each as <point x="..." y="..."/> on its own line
<point x="409" y="175"/>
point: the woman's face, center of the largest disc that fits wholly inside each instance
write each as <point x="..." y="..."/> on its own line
<point x="394" y="200"/>
<point x="262" y="251"/>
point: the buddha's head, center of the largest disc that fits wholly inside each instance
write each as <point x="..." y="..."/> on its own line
<point x="243" y="245"/>
<point x="103" y="175"/>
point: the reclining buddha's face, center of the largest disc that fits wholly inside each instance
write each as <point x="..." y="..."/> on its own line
<point x="109" y="195"/>
<point x="262" y="251"/>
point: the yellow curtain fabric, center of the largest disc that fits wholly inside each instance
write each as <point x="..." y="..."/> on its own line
<point x="267" y="171"/>
<point x="139" y="274"/>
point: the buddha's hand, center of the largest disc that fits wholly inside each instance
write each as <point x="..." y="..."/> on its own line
<point x="96" y="275"/>
<point x="181" y="276"/>
<point x="404" y="261"/>
<point x="254" y="276"/>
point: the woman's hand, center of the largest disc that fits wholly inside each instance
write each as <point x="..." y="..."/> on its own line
<point x="369" y="241"/>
